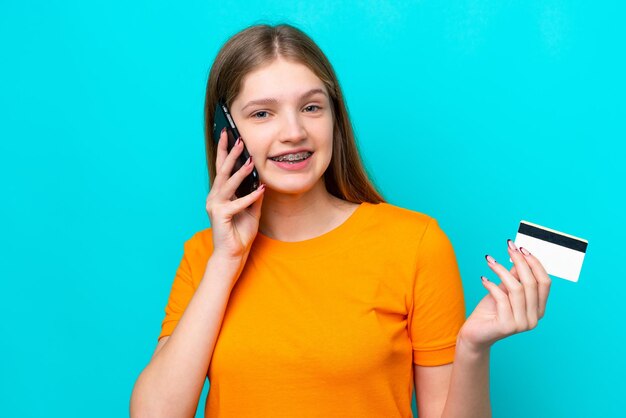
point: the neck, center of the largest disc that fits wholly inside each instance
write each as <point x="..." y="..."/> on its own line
<point x="298" y="217"/>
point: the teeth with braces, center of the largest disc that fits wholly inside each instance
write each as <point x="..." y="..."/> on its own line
<point x="293" y="157"/>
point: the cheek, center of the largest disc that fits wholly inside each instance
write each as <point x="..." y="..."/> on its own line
<point x="324" y="133"/>
<point x="331" y="139"/>
<point x="257" y="140"/>
<point x="326" y="147"/>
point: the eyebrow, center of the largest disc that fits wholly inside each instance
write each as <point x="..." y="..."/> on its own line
<point x="271" y="100"/>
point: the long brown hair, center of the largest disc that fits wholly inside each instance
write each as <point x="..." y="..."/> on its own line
<point x="257" y="45"/>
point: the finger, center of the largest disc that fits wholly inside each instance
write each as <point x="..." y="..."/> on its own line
<point x="226" y="169"/>
<point x="255" y="209"/>
<point x="503" y="307"/>
<point x="502" y="286"/>
<point x="242" y="203"/>
<point x="543" y="281"/>
<point x="515" y="295"/>
<point x="222" y="149"/>
<point x="513" y="272"/>
<point x="529" y="282"/>
<point x="229" y="188"/>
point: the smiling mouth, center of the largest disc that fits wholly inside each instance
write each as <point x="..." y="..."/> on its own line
<point x="292" y="158"/>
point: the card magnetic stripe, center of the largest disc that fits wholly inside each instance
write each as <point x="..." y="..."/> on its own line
<point x="552" y="237"/>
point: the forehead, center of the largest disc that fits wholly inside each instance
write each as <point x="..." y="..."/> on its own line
<point x="280" y="79"/>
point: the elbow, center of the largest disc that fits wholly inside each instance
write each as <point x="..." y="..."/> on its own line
<point x="146" y="403"/>
<point x="137" y="404"/>
<point x="140" y="403"/>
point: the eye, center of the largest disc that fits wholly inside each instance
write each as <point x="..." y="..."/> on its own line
<point x="259" y="115"/>
<point x="314" y="106"/>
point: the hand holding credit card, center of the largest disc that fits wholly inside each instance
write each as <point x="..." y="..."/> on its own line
<point x="519" y="301"/>
<point x="560" y="254"/>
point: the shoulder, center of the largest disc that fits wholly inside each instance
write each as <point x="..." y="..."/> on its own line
<point x="402" y="214"/>
<point x="401" y="220"/>
<point x="200" y="242"/>
<point x="408" y="225"/>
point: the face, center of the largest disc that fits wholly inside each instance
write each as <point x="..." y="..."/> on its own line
<point x="283" y="112"/>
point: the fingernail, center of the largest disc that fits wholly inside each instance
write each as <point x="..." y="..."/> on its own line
<point x="511" y="245"/>
<point x="223" y="130"/>
<point x="261" y="187"/>
<point x="238" y="141"/>
<point x="249" y="160"/>
<point x="524" y="251"/>
<point x="484" y="279"/>
<point x="490" y="259"/>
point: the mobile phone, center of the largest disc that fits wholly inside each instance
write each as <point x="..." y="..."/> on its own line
<point x="223" y="119"/>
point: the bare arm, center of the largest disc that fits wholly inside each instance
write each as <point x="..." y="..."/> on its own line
<point x="515" y="305"/>
<point x="459" y="389"/>
<point x="171" y="384"/>
<point x="431" y="389"/>
<point x="468" y="395"/>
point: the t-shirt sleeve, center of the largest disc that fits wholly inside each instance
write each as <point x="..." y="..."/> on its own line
<point x="438" y="309"/>
<point x="181" y="293"/>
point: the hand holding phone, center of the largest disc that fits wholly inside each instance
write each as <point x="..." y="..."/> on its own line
<point x="223" y="119"/>
<point x="234" y="221"/>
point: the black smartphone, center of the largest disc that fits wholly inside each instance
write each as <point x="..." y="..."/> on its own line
<point x="222" y="120"/>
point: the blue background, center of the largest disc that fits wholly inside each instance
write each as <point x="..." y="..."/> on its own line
<point x="500" y="111"/>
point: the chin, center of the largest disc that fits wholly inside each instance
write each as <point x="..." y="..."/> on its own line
<point x="291" y="187"/>
<point x="295" y="190"/>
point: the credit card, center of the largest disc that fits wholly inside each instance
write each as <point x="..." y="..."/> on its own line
<point x="560" y="254"/>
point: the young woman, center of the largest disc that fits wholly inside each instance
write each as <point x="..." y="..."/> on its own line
<point x="311" y="296"/>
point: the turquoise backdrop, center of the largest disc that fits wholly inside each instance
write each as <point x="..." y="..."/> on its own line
<point x="499" y="111"/>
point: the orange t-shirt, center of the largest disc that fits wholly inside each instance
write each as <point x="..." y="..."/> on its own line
<point x="330" y="326"/>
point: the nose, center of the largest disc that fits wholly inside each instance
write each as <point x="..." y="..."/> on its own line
<point x="293" y="129"/>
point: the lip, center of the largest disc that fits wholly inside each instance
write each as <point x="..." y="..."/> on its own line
<point x="295" y="151"/>
<point x="300" y="165"/>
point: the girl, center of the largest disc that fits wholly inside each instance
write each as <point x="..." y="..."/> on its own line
<point x="311" y="296"/>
